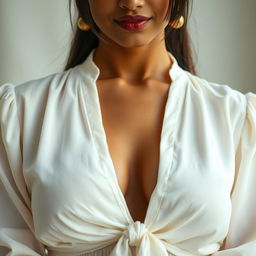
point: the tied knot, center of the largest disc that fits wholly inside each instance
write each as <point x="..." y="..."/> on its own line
<point x="135" y="232"/>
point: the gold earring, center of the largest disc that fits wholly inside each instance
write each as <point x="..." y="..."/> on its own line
<point x="177" y="23"/>
<point x="82" y="25"/>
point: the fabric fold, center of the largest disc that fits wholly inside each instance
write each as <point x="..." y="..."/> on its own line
<point x="144" y="241"/>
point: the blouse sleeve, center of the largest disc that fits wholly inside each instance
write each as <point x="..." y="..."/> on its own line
<point x="241" y="239"/>
<point x="16" y="237"/>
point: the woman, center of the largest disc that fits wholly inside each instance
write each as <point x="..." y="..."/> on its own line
<point x="128" y="152"/>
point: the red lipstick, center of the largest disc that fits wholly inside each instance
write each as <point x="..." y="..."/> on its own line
<point x="133" y="23"/>
<point x="134" y="18"/>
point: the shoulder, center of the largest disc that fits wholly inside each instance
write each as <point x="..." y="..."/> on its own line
<point x="50" y="85"/>
<point x="29" y="100"/>
<point x="221" y="96"/>
<point x="39" y="91"/>
<point x="221" y="101"/>
<point x="216" y="91"/>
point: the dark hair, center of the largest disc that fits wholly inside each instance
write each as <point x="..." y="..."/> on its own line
<point x="177" y="41"/>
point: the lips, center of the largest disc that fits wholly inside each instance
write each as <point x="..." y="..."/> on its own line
<point x="130" y="18"/>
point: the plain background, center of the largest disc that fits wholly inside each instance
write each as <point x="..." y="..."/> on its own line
<point x="35" y="37"/>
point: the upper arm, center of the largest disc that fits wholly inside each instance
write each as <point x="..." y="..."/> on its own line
<point x="16" y="222"/>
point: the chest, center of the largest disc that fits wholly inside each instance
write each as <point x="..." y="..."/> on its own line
<point x="71" y="179"/>
<point x="132" y="117"/>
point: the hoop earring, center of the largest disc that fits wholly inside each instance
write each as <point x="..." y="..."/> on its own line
<point x="177" y="23"/>
<point x="82" y="25"/>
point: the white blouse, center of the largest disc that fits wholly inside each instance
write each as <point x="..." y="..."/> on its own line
<point x="56" y="168"/>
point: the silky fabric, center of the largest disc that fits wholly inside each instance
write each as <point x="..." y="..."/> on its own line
<point x="56" y="168"/>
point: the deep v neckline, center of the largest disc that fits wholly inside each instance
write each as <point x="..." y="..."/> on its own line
<point x="166" y="141"/>
<point x="111" y="163"/>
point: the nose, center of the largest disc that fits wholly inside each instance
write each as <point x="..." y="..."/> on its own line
<point x="131" y="4"/>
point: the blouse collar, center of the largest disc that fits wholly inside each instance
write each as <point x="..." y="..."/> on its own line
<point x="89" y="70"/>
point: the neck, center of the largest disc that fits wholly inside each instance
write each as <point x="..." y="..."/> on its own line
<point x="135" y="64"/>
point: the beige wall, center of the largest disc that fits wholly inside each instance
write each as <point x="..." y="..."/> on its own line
<point x="224" y="35"/>
<point x="34" y="38"/>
